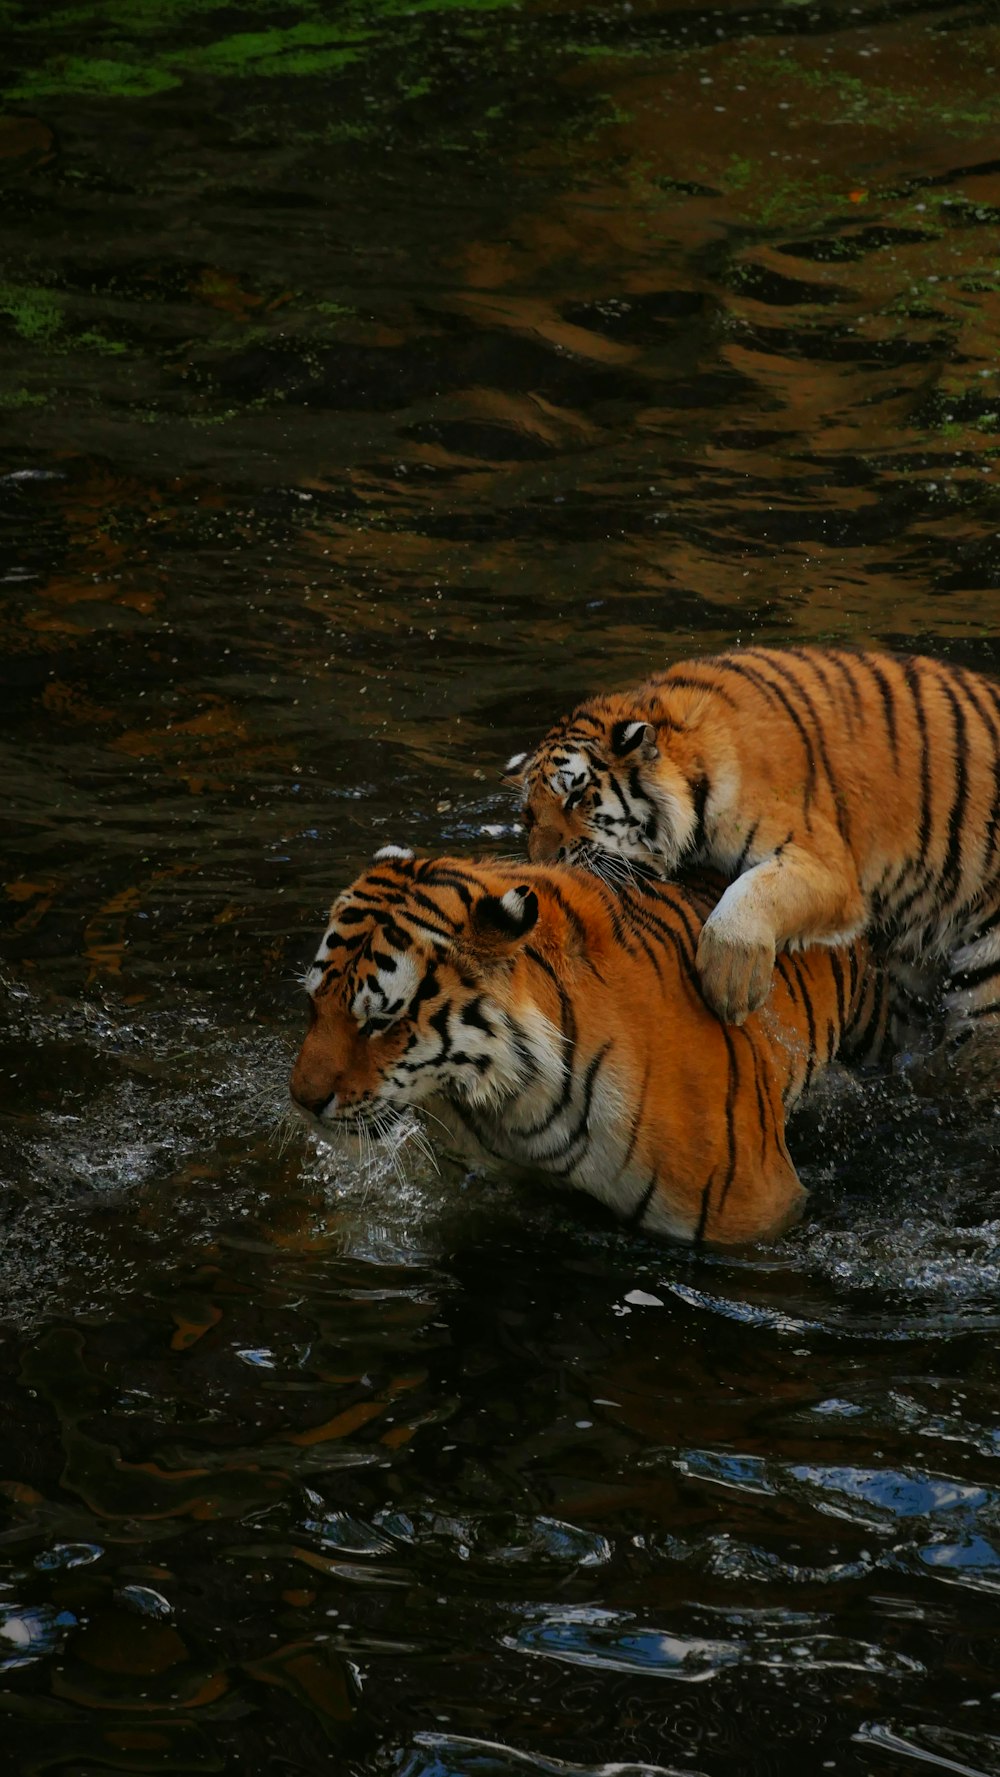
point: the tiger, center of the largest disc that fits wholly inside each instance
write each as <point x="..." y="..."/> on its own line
<point x="551" y="1023"/>
<point x="842" y="792"/>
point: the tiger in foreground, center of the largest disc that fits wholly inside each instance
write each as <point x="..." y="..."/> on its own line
<point x="553" y="1023"/>
<point x="844" y="793"/>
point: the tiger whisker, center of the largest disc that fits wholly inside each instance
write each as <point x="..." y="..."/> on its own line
<point x="281" y="1131"/>
<point x="418" y="1138"/>
<point x="382" y="1130"/>
<point x="425" y="1112"/>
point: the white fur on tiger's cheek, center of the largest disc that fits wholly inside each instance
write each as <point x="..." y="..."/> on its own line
<point x="514" y="763"/>
<point x="401" y="852"/>
<point x="572" y="775"/>
<point x="401" y="984"/>
<point x="388" y="993"/>
<point x="313" y="978"/>
<point x="366" y="1004"/>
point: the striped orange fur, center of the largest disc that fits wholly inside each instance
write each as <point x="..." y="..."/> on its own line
<point x="844" y="792"/>
<point x="553" y="1024"/>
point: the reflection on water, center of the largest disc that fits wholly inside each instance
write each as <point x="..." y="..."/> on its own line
<point x="374" y="382"/>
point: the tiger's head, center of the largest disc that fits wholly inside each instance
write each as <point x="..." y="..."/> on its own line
<point x="410" y="995"/>
<point x="603" y="785"/>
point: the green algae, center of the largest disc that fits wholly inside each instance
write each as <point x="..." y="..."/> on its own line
<point x="133" y="16"/>
<point x="93" y="76"/>
<point x="92" y="341"/>
<point x="35" y="313"/>
<point x="125" y="61"/>
<point x="416" y="89"/>
<point x="739" y="172"/>
<point x="796" y="200"/>
<point x="772" y="199"/>
<point x="335" y="134"/>
<point x="13" y="400"/>
<point x="858" y="100"/>
<point x="37" y="317"/>
<point x="760" y="196"/>
<point x="313" y="46"/>
<point x="299" y="49"/>
<point x="405" y="9"/>
<point x="136" y="17"/>
<point x="616" y="52"/>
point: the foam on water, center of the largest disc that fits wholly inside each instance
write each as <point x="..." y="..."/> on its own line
<point x="166" y="1094"/>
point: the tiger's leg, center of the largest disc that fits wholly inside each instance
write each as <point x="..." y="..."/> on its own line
<point x="967" y="1061"/>
<point x="793" y="895"/>
<point x="914" y="1000"/>
<point x="972" y="987"/>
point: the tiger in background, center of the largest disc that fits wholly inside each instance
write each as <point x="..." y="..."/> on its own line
<point x="551" y="1022"/>
<point x="842" y="792"/>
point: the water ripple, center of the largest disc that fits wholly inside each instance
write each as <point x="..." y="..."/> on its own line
<point x="452" y="1755"/>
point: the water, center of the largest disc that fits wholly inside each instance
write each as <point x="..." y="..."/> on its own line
<point x="375" y="380"/>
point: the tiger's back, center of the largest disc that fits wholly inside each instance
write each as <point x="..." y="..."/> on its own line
<point x="843" y="791"/>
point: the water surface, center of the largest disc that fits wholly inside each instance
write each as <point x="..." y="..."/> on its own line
<point x="375" y="380"/>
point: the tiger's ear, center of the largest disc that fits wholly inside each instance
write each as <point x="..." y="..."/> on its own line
<point x="393" y="854"/>
<point x="634" y="737"/>
<point x="500" y="922"/>
<point x="513" y="771"/>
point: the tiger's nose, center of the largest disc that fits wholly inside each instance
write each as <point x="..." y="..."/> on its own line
<point x="543" y="844"/>
<point x="309" y="1099"/>
<point x="309" y="1090"/>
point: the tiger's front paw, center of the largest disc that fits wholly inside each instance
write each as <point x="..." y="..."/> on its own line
<point x="735" y="970"/>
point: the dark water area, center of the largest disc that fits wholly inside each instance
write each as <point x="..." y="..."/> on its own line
<point x="377" y="378"/>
